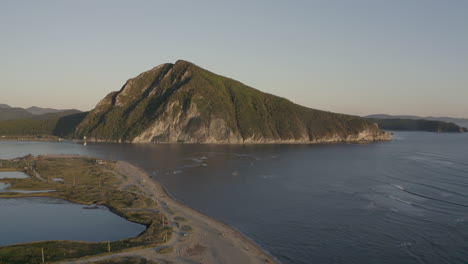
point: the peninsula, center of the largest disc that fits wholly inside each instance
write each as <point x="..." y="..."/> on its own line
<point x="174" y="234"/>
<point x="406" y="124"/>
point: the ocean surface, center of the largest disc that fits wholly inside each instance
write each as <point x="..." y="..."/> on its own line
<point x="404" y="201"/>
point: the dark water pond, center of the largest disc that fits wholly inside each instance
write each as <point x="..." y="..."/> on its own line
<point x="37" y="219"/>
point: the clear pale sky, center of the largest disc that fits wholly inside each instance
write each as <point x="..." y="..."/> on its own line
<point x="357" y="57"/>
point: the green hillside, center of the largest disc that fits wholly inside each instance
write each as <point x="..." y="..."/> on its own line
<point x="61" y="124"/>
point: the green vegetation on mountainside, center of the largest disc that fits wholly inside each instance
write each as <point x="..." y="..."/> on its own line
<point x="30" y="127"/>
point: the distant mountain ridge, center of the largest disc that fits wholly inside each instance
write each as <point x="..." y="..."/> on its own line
<point x="462" y="122"/>
<point x="419" y="125"/>
<point x="13" y="113"/>
<point x="40" y="111"/>
<point x="182" y="102"/>
<point x="16" y="121"/>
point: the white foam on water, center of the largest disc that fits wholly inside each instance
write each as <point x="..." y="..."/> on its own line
<point x="399" y="200"/>
<point x="405" y="244"/>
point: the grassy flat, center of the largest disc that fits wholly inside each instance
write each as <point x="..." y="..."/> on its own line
<point x="84" y="182"/>
<point x="126" y="260"/>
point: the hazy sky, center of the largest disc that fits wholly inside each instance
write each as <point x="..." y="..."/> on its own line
<point x="357" y="57"/>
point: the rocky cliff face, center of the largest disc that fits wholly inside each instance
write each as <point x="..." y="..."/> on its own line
<point x="182" y="102"/>
<point x="178" y="126"/>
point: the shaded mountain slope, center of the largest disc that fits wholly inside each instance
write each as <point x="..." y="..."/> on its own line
<point x="40" y="111"/>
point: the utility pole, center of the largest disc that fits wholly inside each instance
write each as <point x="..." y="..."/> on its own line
<point x="108" y="246"/>
<point x="43" y="259"/>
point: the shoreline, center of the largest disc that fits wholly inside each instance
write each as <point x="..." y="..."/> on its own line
<point x="388" y="136"/>
<point x="238" y="233"/>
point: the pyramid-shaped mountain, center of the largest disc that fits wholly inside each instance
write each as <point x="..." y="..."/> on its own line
<point x="182" y="102"/>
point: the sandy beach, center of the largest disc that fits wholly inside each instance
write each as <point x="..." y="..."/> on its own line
<point x="209" y="242"/>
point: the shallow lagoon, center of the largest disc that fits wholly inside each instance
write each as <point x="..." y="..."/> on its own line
<point x="41" y="218"/>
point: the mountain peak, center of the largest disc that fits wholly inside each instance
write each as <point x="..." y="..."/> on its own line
<point x="183" y="62"/>
<point x="35" y="110"/>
